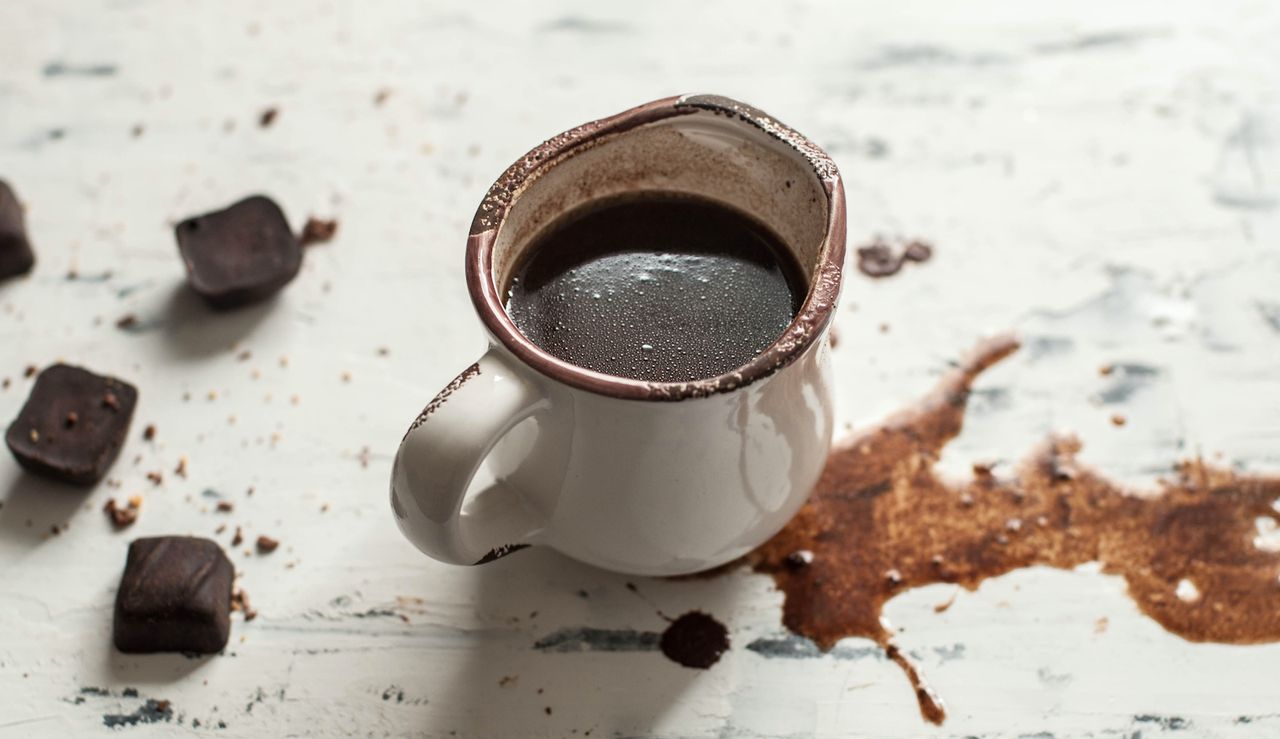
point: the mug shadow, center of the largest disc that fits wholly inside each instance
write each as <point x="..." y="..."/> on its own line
<point x="193" y="330"/>
<point x="131" y="670"/>
<point x="586" y="661"/>
<point x="34" y="505"/>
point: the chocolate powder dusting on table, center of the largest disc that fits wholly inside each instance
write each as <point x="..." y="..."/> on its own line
<point x="881" y="521"/>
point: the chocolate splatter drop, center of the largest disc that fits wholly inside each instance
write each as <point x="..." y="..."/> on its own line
<point x="881" y="507"/>
<point x="694" y="640"/>
<point x="880" y="259"/>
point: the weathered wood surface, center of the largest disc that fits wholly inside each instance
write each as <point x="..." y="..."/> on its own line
<point x="1101" y="177"/>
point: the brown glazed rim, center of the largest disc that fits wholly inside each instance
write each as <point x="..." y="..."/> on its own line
<point x="815" y="313"/>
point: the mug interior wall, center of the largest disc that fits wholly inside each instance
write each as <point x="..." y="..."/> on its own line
<point x="704" y="154"/>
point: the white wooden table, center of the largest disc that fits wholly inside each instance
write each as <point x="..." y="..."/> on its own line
<point x="1101" y="177"/>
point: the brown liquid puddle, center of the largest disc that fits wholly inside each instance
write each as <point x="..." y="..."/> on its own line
<point x="882" y="521"/>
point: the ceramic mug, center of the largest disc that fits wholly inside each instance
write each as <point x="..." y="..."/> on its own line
<point x="638" y="477"/>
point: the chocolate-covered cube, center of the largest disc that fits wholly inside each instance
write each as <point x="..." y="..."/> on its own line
<point x="239" y="255"/>
<point x="175" y="596"/>
<point x="73" y="424"/>
<point x="16" y="257"/>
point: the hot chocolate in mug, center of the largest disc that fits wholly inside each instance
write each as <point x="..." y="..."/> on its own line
<point x="650" y="478"/>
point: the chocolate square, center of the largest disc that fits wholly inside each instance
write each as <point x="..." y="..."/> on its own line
<point x="16" y="257"/>
<point x="73" y="424"/>
<point x="175" y="596"/>
<point x="239" y="255"/>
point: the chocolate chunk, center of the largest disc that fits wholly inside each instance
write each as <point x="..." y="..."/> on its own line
<point x="45" y="440"/>
<point x="239" y="255"/>
<point x="16" y="257"/>
<point x="175" y="596"/>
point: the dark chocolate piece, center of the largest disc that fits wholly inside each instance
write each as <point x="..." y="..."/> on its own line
<point x="175" y="596"/>
<point x="46" y="441"/>
<point x="239" y="255"/>
<point x="16" y="257"/>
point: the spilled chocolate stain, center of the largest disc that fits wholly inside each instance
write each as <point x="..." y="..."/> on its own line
<point x="695" y="640"/>
<point x="881" y="521"/>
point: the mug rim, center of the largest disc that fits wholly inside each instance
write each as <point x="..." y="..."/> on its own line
<point x="811" y="320"/>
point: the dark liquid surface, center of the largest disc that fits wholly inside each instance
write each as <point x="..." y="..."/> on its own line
<point x="658" y="287"/>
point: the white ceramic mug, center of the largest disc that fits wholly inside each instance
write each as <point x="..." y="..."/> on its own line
<point x="639" y="477"/>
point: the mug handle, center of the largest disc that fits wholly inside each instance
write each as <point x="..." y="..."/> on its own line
<point x="440" y="455"/>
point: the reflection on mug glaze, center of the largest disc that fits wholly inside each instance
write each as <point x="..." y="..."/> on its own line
<point x="881" y="520"/>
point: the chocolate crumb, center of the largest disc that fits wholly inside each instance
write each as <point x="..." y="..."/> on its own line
<point x="72" y="419"/>
<point x="317" y="231"/>
<point x="1118" y="420"/>
<point x="30" y="371"/>
<point x="225" y="506"/>
<point x="266" y="544"/>
<point x="382" y="352"/>
<point x="268" y="117"/>
<point x="156" y="478"/>
<point x="149" y="433"/>
<point x="917" y="251"/>
<point x="381" y="96"/>
<point x="506" y="680"/>
<point x="548" y="710"/>
<point x="111" y="401"/>
<point x="127" y="321"/>
<point x="240" y="602"/>
<point x="238" y="538"/>
<point x="137" y="130"/>
<point x="181" y="469"/>
<point x="244" y="355"/>
<point x="878" y="260"/>
<point x="121" y="516"/>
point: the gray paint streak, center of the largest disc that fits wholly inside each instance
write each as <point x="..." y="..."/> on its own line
<point x="587" y="639"/>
